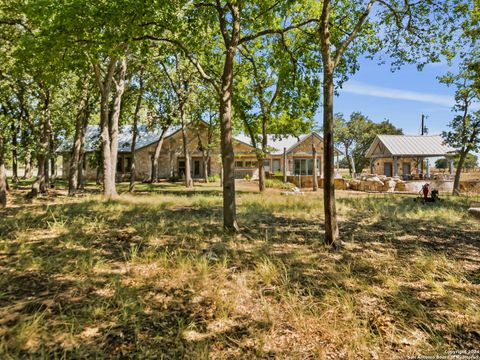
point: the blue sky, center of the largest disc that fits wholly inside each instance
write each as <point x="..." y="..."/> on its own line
<point x="401" y="96"/>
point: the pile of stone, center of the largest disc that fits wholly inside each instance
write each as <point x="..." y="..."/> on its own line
<point x="379" y="183"/>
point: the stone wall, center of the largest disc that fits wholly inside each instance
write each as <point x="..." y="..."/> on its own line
<point x="379" y="165"/>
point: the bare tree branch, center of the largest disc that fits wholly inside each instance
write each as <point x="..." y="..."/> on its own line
<point x="276" y="31"/>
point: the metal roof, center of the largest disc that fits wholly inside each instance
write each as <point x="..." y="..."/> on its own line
<point x="276" y="143"/>
<point x="145" y="138"/>
<point x="410" y="145"/>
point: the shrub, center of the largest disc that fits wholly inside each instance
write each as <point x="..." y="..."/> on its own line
<point x="277" y="184"/>
<point x="214" y="177"/>
<point x="174" y="178"/>
<point x="248" y="177"/>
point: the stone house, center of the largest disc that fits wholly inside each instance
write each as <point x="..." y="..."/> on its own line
<point x="295" y="152"/>
<point x="403" y="155"/>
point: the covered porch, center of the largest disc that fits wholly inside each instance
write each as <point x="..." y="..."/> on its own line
<point x="408" y="156"/>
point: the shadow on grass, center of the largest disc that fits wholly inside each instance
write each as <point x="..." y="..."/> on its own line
<point x="76" y="277"/>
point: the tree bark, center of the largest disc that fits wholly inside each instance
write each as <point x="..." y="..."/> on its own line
<point x="3" y="175"/>
<point x="28" y="165"/>
<point x="186" y="153"/>
<point x="315" y="178"/>
<point x="225" y="113"/>
<point x="261" y="174"/>
<point x="156" y="155"/>
<point x="14" y="130"/>
<point x="206" y="174"/>
<point x="40" y="184"/>
<point x="138" y="105"/>
<point x="81" y="175"/>
<point x="105" y="85"/>
<point x="458" y="172"/>
<point x="353" y="167"/>
<point x="78" y="143"/>
<point x="331" y="227"/>
<point x="115" y="115"/>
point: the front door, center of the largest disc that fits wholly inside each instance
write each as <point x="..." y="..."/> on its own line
<point x="197" y="168"/>
<point x="406" y="169"/>
<point x="181" y="168"/>
<point x="387" y="169"/>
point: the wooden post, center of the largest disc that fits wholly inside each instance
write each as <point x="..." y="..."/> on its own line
<point x="338" y="165"/>
<point x="450" y="165"/>
<point x="395" y="166"/>
<point x="371" y="166"/>
<point x="285" y="164"/>
<point x="314" y="158"/>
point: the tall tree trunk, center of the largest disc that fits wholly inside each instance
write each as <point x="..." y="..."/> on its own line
<point x="353" y="167"/>
<point x="108" y="186"/>
<point x="349" y="162"/>
<point x="28" y="165"/>
<point x="228" y="156"/>
<point x="225" y="114"/>
<point x="105" y="85"/>
<point x="331" y="227"/>
<point x="53" y="168"/>
<point x="261" y="174"/>
<point x="156" y="155"/>
<point x="14" y="130"/>
<point x="41" y="183"/>
<point x="117" y="105"/>
<point x="186" y="153"/>
<point x="138" y="105"/>
<point x="81" y="174"/>
<point x="205" y="160"/>
<point x="79" y="139"/>
<point x="82" y="163"/>
<point x="315" y="178"/>
<point x="458" y="172"/>
<point x="3" y="175"/>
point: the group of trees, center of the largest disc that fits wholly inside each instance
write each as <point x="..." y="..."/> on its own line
<point x="354" y="136"/>
<point x="257" y="66"/>
<point x="470" y="162"/>
<point x="464" y="132"/>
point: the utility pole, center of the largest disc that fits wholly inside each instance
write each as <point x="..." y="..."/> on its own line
<point x="424" y="131"/>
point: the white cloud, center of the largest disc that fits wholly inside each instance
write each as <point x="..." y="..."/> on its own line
<point x="355" y="87"/>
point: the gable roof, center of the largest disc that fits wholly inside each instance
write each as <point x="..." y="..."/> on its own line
<point x="410" y="145"/>
<point x="277" y="143"/>
<point x="145" y="137"/>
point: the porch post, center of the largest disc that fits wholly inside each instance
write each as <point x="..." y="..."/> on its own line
<point x="315" y="179"/>
<point x="285" y="165"/>
<point x="395" y="166"/>
<point x="419" y="160"/>
<point x="338" y="165"/>
<point x="428" y="168"/>
<point x="450" y="165"/>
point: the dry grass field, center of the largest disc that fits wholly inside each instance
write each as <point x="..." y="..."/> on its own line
<point x="152" y="275"/>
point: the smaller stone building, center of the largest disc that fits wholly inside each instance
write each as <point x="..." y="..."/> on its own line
<point x="403" y="155"/>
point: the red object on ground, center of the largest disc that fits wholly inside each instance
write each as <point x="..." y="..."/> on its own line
<point x="425" y="189"/>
